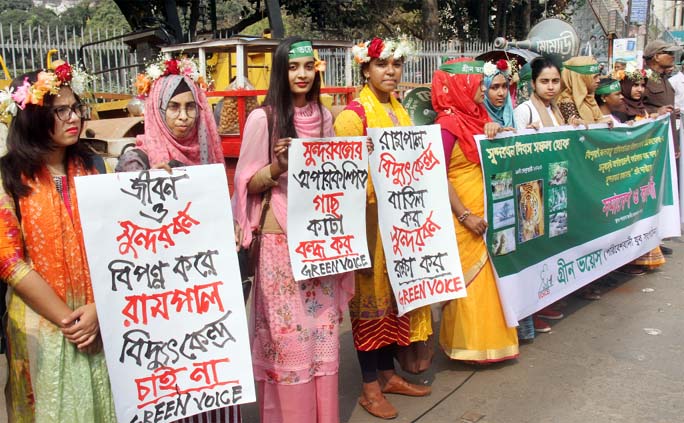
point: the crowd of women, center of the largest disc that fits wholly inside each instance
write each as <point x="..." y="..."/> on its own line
<point x="57" y="368"/>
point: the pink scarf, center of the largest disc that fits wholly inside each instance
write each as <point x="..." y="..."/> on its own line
<point x="201" y="146"/>
<point x="254" y="155"/>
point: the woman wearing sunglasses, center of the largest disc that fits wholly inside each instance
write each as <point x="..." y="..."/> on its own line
<point x="57" y="370"/>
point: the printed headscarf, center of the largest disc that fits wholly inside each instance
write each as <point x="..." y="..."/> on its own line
<point x="201" y="146"/>
<point x="457" y="112"/>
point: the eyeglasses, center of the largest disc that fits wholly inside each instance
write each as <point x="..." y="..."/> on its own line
<point x="173" y="110"/>
<point x="63" y="113"/>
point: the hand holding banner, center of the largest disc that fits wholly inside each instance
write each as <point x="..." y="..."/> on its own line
<point x="161" y="253"/>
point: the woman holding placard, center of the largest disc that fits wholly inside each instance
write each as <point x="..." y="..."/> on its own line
<point x="473" y="328"/>
<point x="295" y="325"/>
<point x="57" y="368"/>
<point x="376" y="328"/>
<point x="179" y="131"/>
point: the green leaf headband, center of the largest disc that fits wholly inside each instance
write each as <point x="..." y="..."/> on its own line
<point x="464" y="68"/>
<point x="592" y="69"/>
<point x="301" y="49"/>
<point x="613" y="87"/>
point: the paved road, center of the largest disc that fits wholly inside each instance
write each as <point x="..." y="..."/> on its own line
<point x="620" y="359"/>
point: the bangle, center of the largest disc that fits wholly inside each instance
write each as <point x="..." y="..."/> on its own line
<point x="464" y="216"/>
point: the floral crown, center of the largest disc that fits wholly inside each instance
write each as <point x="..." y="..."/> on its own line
<point x="47" y="82"/>
<point x="635" y="74"/>
<point x="377" y="48"/>
<point x="162" y="67"/>
<point x="509" y="68"/>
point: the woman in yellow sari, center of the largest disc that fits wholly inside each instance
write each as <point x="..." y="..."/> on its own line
<point x="376" y="328"/>
<point x="473" y="328"/>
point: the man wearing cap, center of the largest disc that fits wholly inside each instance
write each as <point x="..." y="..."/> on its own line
<point x="659" y="95"/>
<point x="659" y="57"/>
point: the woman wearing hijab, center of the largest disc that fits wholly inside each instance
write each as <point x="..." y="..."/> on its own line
<point x="473" y="328"/>
<point x="179" y="125"/>
<point x="632" y="85"/>
<point x="580" y="78"/>
<point x="179" y="131"/>
<point x="497" y="101"/>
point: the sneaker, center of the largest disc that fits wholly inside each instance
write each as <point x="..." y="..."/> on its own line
<point x="549" y="313"/>
<point x="540" y="325"/>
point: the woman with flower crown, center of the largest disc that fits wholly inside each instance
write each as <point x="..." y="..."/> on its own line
<point x="376" y="327"/>
<point x="632" y="86"/>
<point x="497" y="101"/>
<point x="179" y="131"/>
<point x="57" y="371"/>
<point x="295" y="325"/>
<point x="473" y="328"/>
<point x="179" y="126"/>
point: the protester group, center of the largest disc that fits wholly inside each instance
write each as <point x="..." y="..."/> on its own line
<point x="57" y="369"/>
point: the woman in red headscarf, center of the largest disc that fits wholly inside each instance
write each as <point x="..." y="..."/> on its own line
<point x="473" y="328"/>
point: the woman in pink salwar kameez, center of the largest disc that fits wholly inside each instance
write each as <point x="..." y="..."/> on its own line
<point x="295" y="325"/>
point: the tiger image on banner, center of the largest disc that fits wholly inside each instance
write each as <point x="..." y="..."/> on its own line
<point x="530" y="210"/>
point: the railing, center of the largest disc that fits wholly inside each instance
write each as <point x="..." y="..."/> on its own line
<point x="25" y="49"/>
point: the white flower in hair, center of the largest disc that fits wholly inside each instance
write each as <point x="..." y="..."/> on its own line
<point x="630" y="68"/>
<point x="404" y="49"/>
<point x="489" y="69"/>
<point x="154" y="71"/>
<point x="360" y="53"/>
<point x="388" y="49"/>
<point x="79" y="81"/>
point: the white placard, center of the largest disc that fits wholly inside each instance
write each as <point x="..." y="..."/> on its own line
<point x="326" y="205"/>
<point x="161" y="252"/>
<point x="415" y="218"/>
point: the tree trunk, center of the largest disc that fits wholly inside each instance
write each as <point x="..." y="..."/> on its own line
<point x="275" y="18"/>
<point x="501" y="18"/>
<point x="525" y="18"/>
<point x="430" y="20"/>
<point x="483" y="20"/>
<point x="171" y="15"/>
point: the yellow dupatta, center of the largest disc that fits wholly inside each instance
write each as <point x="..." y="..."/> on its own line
<point x="377" y="116"/>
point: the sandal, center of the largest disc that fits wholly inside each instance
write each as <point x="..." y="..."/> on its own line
<point x="378" y="406"/>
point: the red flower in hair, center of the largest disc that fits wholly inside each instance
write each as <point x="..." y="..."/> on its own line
<point x="375" y="48"/>
<point x="63" y="72"/>
<point x="502" y="65"/>
<point x="171" y="67"/>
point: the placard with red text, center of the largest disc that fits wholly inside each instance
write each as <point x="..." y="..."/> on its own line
<point x="416" y="223"/>
<point x="162" y="259"/>
<point x="326" y="206"/>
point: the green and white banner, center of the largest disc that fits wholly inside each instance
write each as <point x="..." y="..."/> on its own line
<point x="566" y="206"/>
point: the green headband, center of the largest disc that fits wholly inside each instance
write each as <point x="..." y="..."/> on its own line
<point x="592" y="69"/>
<point x="466" y="68"/>
<point x="613" y="87"/>
<point x="301" y="49"/>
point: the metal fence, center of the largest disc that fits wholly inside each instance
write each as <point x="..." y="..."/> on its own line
<point x="25" y="49"/>
<point x="418" y="69"/>
<point x="104" y="55"/>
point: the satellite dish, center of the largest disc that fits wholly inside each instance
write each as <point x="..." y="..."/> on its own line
<point x="418" y="104"/>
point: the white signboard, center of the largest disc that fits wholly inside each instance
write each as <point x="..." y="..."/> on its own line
<point x="161" y="252"/>
<point x="326" y="205"/>
<point x="416" y="223"/>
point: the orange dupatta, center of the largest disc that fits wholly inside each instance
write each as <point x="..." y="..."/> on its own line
<point x="54" y="239"/>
